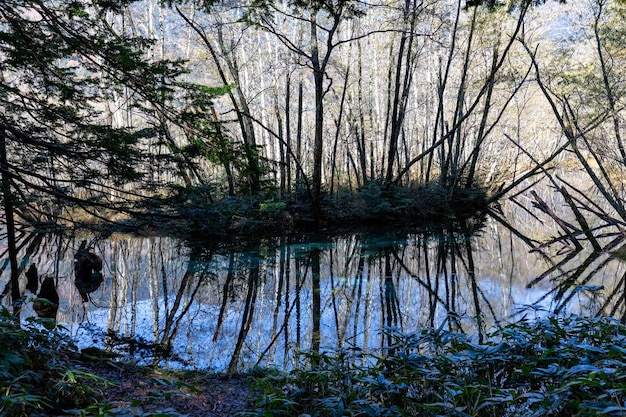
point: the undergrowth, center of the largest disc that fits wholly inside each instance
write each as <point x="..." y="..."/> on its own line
<point x="571" y="366"/>
<point x="39" y="378"/>
<point x="196" y="215"/>
<point x="551" y="367"/>
<point x="34" y="376"/>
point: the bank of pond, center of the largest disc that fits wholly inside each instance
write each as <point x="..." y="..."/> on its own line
<point x="553" y="366"/>
<point x="476" y="316"/>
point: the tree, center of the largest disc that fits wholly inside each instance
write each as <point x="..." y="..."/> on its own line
<point x="586" y="100"/>
<point x="320" y="21"/>
<point x="407" y="57"/>
<point x="61" y="61"/>
<point x="227" y="67"/>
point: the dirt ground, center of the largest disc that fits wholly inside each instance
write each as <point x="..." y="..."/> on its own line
<point x="141" y="390"/>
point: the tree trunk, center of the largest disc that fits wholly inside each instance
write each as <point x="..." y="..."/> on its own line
<point x="239" y="103"/>
<point x="9" y="216"/>
<point x="359" y="132"/>
<point x="318" y="143"/>
<point x="338" y="123"/>
<point x="299" y="178"/>
<point x="287" y="153"/>
<point x="610" y="97"/>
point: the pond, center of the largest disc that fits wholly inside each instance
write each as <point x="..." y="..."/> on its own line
<point x="229" y="309"/>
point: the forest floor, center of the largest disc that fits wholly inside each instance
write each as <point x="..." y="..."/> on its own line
<point x="140" y="390"/>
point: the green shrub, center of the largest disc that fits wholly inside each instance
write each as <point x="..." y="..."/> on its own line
<point x="38" y="376"/>
<point x="34" y="374"/>
<point x="552" y="367"/>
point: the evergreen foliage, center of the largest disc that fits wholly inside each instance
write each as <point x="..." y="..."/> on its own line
<point x="61" y="62"/>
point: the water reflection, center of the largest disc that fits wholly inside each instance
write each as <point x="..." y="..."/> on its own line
<point x="46" y="304"/>
<point x="233" y="309"/>
<point x="87" y="271"/>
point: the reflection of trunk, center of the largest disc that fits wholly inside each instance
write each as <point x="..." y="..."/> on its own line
<point x="285" y="272"/>
<point x="446" y="252"/>
<point x="391" y="311"/>
<point x="134" y="284"/>
<point x="298" y="304"/>
<point x="576" y="280"/>
<point x="427" y="283"/>
<point x="225" y="294"/>
<point x="334" y="293"/>
<point x="342" y="293"/>
<point x="287" y="260"/>
<point x="153" y="283"/>
<point x="392" y="304"/>
<point x="367" y="318"/>
<point x="7" y="197"/>
<point x="356" y="294"/>
<point x="279" y="292"/>
<point x="248" y="313"/>
<point x="623" y="299"/>
<point x="435" y="278"/>
<point x="451" y="280"/>
<point x="282" y="285"/>
<point x="619" y="294"/>
<point x="316" y="302"/>
<point x="475" y="292"/>
<point x="172" y="320"/>
<point x="118" y="291"/>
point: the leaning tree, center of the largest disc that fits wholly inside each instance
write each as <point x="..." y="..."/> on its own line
<point x="62" y="61"/>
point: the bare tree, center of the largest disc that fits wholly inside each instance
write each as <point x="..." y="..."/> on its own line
<point x="321" y="20"/>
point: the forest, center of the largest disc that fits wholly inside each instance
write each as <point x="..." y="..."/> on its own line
<point x="237" y="121"/>
<point x="313" y="112"/>
<point x="317" y="112"/>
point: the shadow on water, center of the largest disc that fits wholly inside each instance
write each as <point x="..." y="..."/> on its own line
<point x="212" y="306"/>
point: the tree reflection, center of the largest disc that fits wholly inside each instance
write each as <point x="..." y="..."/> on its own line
<point x="231" y="308"/>
<point x="583" y="270"/>
<point x="262" y="304"/>
<point x="316" y="303"/>
<point x="248" y="310"/>
<point x="391" y="311"/>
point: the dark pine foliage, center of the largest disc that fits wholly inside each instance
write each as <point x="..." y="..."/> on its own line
<point x="62" y="61"/>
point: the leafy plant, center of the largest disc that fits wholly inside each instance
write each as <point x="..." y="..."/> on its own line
<point x="39" y="378"/>
<point x="35" y="376"/>
<point x="569" y="366"/>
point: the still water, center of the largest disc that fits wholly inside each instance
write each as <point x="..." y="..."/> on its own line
<point x="228" y="308"/>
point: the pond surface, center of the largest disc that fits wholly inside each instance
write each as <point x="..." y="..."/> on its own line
<point x="232" y="309"/>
